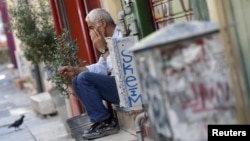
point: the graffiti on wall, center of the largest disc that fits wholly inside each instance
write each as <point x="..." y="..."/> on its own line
<point x="171" y="11"/>
<point x="124" y="71"/>
<point x="185" y="87"/>
<point x="184" y="75"/>
<point x="166" y="12"/>
<point x="151" y="88"/>
<point x="197" y="79"/>
<point x="131" y="80"/>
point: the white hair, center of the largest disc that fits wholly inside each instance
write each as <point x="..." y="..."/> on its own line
<point x="97" y="14"/>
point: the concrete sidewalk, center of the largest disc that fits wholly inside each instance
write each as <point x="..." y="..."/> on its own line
<point x="13" y="104"/>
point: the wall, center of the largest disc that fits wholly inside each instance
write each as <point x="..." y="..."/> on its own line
<point x="230" y="15"/>
<point x="113" y="6"/>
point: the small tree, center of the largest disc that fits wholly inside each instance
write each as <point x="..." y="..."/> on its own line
<point x="32" y="23"/>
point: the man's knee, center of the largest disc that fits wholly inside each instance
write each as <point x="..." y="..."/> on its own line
<point x="80" y="80"/>
<point x="83" y="77"/>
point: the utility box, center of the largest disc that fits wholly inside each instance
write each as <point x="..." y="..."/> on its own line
<point x="124" y="71"/>
<point x="184" y="76"/>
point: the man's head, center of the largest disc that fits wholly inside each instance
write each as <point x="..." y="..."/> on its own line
<point x="100" y="20"/>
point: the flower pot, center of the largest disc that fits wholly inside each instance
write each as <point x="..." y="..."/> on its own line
<point x="61" y="106"/>
<point x="76" y="107"/>
<point x="77" y="125"/>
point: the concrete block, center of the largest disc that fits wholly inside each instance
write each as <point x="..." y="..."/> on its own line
<point x="43" y="104"/>
<point x="126" y="117"/>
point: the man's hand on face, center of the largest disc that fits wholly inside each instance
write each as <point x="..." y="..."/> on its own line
<point x="98" y="40"/>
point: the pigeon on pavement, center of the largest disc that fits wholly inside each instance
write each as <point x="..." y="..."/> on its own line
<point x="17" y="123"/>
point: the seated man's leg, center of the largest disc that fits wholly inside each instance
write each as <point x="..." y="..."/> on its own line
<point x="92" y="88"/>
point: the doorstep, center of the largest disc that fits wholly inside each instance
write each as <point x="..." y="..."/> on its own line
<point x="127" y="116"/>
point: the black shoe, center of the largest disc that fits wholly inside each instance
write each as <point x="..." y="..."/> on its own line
<point x="92" y="127"/>
<point x="101" y="129"/>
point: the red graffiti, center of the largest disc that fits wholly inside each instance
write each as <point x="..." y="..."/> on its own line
<point x="199" y="41"/>
<point x="203" y="97"/>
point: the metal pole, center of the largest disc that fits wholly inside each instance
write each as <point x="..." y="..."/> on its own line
<point x="138" y="128"/>
<point x="10" y="39"/>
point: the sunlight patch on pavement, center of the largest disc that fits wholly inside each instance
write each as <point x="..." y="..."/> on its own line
<point x="19" y="111"/>
<point x="2" y="76"/>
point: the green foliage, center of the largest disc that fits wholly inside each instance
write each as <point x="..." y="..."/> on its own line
<point x="31" y="22"/>
<point x="65" y="54"/>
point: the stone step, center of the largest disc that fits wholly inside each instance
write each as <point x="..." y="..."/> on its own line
<point x="127" y="116"/>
